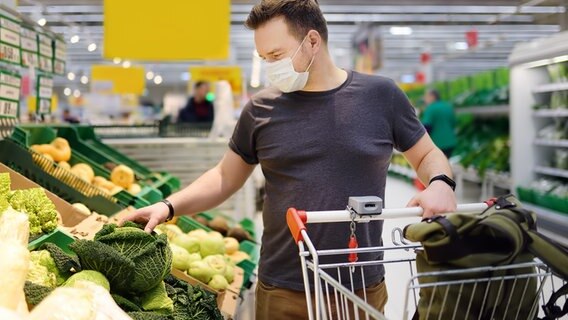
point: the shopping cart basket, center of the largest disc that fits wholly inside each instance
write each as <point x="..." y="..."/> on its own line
<point x="336" y="298"/>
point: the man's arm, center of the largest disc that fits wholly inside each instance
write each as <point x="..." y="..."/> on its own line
<point x="208" y="191"/>
<point x="429" y="161"/>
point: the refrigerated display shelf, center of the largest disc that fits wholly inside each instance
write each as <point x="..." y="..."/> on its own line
<point x="551" y="113"/>
<point x="484" y="110"/>
<point x="551" y="87"/>
<point x="553" y="221"/>
<point x="551" y="143"/>
<point x="554" y="172"/>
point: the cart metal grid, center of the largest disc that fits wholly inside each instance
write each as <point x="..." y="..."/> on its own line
<point x="336" y="298"/>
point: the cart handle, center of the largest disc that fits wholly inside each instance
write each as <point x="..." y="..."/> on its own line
<point x="296" y="223"/>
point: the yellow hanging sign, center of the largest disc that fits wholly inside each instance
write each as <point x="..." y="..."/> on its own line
<point x="232" y="74"/>
<point x="167" y="31"/>
<point x="107" y="79"/>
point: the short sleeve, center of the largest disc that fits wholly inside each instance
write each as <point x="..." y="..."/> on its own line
<point x="407" y="129"/>
<point x="243" y="141"/>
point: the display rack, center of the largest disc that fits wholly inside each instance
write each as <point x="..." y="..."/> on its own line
<point x="484" y="110"/>
<point x="532" y="87"/>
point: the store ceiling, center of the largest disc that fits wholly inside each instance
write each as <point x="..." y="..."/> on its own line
<point x="438" y="26"/>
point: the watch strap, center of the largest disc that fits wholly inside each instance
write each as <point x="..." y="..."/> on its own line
<point x="446" y="179"/>
<point x="170" y="208"/>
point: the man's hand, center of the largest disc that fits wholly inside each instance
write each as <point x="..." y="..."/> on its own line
<point x="437" y="198"/>
<point x="151" y="216"/>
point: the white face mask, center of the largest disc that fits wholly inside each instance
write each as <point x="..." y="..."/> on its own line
<point x="283" y="76"/>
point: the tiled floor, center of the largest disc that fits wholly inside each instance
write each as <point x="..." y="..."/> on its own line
<point x="398" y="193"/>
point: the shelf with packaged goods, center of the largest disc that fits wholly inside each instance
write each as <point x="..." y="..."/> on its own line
<point x="554" y="221"/>
<point x="554" y="172"/>
<point x="550" y="113"/>
<point x="551" y="143"/>
<point x="484" y="110"/>
<point x="551" y="87"/>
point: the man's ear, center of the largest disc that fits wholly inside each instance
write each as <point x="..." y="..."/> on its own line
<point x="314" y="40"/>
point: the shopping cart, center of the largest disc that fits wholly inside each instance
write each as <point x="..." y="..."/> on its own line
<point x="336" y="298"/>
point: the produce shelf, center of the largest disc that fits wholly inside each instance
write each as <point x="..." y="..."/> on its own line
<point x="484" y="110"/>
<point x="551" y="143"/>
<point x="551" y="87"/>
<point x="551" y="171"/>
<point x="553" y="221"/>
<point x="551" y="113"/>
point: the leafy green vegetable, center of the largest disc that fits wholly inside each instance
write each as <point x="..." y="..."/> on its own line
<point x="65" y="263"/>
<point x="132" y="260"/>
<point x="42" y="270"/>
<point x="191" y="303"/>
<point x="35" y="293"/>
<point x="125" y="304"/>
<point x="141" y="315"/>
<point x="218" y="282"/>
<point x="4" y="185"/>
<point x="157" y="300"/>
<point x="42" y="213"/>
<point x="88" y="275"/>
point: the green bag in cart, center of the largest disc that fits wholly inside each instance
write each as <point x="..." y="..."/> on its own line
<point x="503" y="235"/>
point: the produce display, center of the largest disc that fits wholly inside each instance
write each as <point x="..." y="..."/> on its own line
<point x="206" y="256"/>
<point x="558" y="72"/>
<point x="548" y="193"/>
<point x="121" y="177"/>
<point x="223" y="226"/>
<point x="42" y="214"/>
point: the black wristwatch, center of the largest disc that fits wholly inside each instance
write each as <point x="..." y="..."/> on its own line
<point x="170" y="208"/>
<point x="446" y="179"/>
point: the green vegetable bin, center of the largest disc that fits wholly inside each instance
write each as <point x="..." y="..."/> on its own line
<point x="57" y="237"/>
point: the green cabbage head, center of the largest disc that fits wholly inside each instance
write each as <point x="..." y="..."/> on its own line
<point x="132" y="260"/>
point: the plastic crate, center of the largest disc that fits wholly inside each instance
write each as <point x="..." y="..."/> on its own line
<point x="247" y="224"/>
<point x="57" y="237"/>
<point x="59" y="181"/>
<point x="38" y="134"/>
<point x="84" y="140"/>
<point x="527" y="195"/>
<point x="187" y="224"/>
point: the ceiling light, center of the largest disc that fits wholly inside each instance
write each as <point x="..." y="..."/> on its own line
<point x="84" y="79"/>
<point x="185" y="76"/>
<point x="117" y="60"/>
<point x="67" y="91"/>
<point x="158" y="79"/>
<point x="71" y="76"/>
<point x="401" y="31"/>
<point x="76" y="93"/>
<point x="408" y="78"/>
<point x="150" y="75"/>
<point x="75" y="39"/>
<point x="92" y="47"/>
<point x="126" y="64"/>
<point x="42" y="22"/>
<point x="461" y="45"/>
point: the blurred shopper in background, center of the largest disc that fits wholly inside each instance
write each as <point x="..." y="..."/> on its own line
<point x="439" y="120"/>
<point x="69" y="118"/>
<point x="197" y="109"/>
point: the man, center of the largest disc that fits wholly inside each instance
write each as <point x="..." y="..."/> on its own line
<point x="198" y="109"/>
<point x="439" y="120"/>
<point x="320" y="134"/>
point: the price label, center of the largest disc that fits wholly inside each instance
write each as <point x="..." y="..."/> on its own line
<point x="60" y="54"/>
<point x="59" y="67"/>
<point x="9" y="53"/>
<point x="9" y="24"/>
<point x="45" y="64"/>
<point x="44" y="93"/>
<point x="10" y="37"/>
<point x="30" y="59"/>
<point x="9" y="79"/>
<point x="9" y="92"/>
<point x="44" y="106"/>
<point x="8" y="108"/>
<point x="45" y="50"/>
<point x="27" y="33"/>
<point x="44" y="39"/>
<point x="28" y="44"/>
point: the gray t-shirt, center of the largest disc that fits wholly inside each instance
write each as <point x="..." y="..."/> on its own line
<point x="316" y="149"/>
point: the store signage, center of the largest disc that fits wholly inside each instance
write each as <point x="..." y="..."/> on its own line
<point x="471" y="38"/>
<point x="180" y="30"/>
<point x="30" y="48"/>
<point x="10" y="83"/>
<point x="44" y="94"/>
<point x="123" y="80"/>
<point x="45" y="44"/>
<point x="232" y="74"/>
<point x="60" y="50"/>
<point x="9" y="40"/>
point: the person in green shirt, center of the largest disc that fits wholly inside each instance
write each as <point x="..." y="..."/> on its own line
<point x="439" y="120"/>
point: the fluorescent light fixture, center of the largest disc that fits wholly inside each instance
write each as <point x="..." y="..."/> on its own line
<point x="67" y="92"/>
<point x="75" y="39"/>
<point x="42" y="22"/>
<point x="149" y="75"/>
<point x="407" y="78"/>
<point x="158" y="79"/>
<point x="185" y="76"/>
<point x="84" y="79"/>
<point x="461" y="45"/>
<point x="71" y="76"/>
<point x="76" y="93"/>
<point x="116" y="60"/>
<point x="401" y="31"/>
<point x="126" y="64"/>
<point x="92" y="47"/>
<point x="545" y="62"/>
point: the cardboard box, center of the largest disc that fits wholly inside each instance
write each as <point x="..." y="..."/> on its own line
<point x="70" y="216"/>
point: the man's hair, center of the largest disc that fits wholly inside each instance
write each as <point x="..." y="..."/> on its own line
<point x="301" y="16"/>
<point x="200" y="84"/>
<point x="435" y="94"/>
